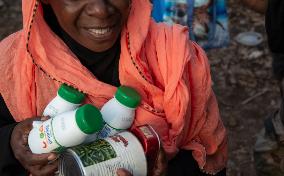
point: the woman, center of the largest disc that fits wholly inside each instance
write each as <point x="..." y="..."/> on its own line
<point x="94" y="46"/>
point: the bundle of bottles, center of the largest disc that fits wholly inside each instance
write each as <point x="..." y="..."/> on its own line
<point x="73" y="124"/>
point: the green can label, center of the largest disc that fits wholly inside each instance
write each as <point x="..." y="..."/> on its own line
<point x="95" y="152"/>
<point x="104" y="156"/>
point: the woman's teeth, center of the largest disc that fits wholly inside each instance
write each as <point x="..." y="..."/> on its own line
<point x="101" y="31"/>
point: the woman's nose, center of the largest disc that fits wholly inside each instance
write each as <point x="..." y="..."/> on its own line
<point x="98" y="8"/>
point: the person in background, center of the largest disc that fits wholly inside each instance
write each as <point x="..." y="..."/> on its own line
<point x="207" y="19"/>
<point x="95" y="46"/>
<point x="269" y="147"/>
<point x="256" y="5"/>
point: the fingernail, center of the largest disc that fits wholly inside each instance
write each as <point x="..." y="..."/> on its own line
<point x="119" y="172"/>
<point x="44" y="118"/>
<point x="25" y="137"/>
<point x="52" y="157"/>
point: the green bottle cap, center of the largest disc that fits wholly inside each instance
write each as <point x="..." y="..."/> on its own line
<point x="128" y="96"/>
<point x="89" y="119"/>
<point x="70" y="94"/>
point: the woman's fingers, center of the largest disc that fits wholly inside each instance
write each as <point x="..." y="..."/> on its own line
<point x="44" y="118"/>
<point x="161" y="164"/>
<point x="47" y="170"/>
<point x="19" y="144"/>
<point x="38" y="159"/>
<point x="123" y="172"/>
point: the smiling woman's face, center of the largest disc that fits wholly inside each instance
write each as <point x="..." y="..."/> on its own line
<point x="95" y="24"/>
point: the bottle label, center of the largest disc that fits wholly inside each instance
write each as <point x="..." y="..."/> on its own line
<point x="107" y="131"/>
<point x="57" y="106"/>
<point x="48" y="141"/>
<point x="91" y="138"/>
<point x="50" y="111"/>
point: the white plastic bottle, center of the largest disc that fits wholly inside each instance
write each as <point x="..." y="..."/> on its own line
<point x="67" y="99"/>
<point x="65" y="130"/>
<point x="119" y="112"/>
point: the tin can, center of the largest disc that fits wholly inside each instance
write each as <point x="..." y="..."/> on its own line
<point x="104" y="156"/>
<point x="151" y="144"/>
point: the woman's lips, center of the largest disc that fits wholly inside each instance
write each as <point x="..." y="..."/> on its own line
<point x="101" y="33"/>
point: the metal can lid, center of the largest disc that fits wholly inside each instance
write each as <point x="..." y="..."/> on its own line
<point x="70" y="164"/>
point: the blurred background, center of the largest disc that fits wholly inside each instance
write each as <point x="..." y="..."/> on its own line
<point x="242" y="78"/>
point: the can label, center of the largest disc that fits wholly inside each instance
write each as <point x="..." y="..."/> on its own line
<point x="104" y="156"/>
<point x="150" y="142"/>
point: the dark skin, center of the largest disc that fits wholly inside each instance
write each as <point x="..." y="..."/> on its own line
<point x="95" y="24"/>
<point x="37" y="165"/>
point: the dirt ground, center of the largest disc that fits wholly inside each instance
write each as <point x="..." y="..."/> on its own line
<point x="242" y="79"/>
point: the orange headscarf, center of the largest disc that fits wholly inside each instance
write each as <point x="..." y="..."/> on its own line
<point x="169" y="71"/>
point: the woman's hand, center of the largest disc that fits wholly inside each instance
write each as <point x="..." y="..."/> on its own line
<point x="161" y="164"/>
<point x="123" y="172"/>
<point x="37" y="165"/>
<point x="159" y="170"/>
